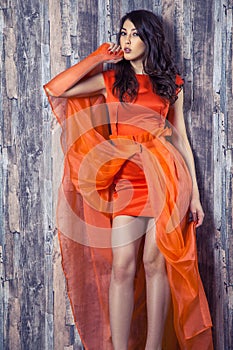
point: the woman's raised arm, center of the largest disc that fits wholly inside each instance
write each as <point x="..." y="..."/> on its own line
<point x="89" y="87"/>
<point x="84" y="78"/>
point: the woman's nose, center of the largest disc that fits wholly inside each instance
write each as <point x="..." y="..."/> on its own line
<point x="127" y="41"/>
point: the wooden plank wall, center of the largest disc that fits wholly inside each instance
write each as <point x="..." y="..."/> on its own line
<point x="38" y="39"/>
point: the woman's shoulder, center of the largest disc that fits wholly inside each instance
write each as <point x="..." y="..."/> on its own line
<point x="110" y="73"/>
<point x="179" y="81"/>
<point x="109" y="78"/>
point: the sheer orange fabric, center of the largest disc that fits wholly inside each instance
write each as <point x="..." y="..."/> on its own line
<point x="92" y="160"/>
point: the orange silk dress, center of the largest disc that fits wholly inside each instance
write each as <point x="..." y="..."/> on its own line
<point x="131" y="169"/>
<point x="136" y="124"/>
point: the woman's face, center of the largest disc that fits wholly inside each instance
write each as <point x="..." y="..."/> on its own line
<point x="131" y="43"/>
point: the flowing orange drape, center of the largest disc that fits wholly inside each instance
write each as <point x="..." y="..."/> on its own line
<point x="91" y="160"/>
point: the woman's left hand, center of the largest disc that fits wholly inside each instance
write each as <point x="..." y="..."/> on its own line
<point x="196" y="211"/>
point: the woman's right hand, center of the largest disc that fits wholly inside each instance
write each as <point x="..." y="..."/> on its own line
<point x="116" y="52"/>
<point x="110" y="52"/>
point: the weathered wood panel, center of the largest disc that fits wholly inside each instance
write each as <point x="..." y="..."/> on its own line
<point x="26" y="238"/>
<point x="38" y="39"/>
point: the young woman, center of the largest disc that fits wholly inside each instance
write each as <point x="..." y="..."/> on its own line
<point x="154" y="189"/>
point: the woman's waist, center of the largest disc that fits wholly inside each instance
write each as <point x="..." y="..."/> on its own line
<point x="143" y="136"/>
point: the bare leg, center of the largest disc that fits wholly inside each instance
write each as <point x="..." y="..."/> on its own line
<point x="121" y="293"/>
<point x="157" y="288"/>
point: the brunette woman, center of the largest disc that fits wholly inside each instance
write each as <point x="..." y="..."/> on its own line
<point x="153" y="254"/>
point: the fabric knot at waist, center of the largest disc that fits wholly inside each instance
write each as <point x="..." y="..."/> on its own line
<point x="136" y="141"/>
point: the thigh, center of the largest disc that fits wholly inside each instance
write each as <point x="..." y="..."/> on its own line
<point x="127" y="230"/>
<point x="151" y="252"/>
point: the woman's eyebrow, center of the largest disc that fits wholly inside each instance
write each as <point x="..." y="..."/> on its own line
<point x="126" y="29"/>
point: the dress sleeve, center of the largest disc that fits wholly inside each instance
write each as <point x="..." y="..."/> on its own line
<point x="179" y="84"/>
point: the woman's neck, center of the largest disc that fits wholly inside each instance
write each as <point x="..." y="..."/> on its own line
<point x="137" y="66"/>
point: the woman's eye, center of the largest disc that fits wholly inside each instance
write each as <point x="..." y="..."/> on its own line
<point x="123" y="33"/>
<point x="135" y="34"/>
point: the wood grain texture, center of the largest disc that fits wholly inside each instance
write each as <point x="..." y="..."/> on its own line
<point x="38" y="39"/>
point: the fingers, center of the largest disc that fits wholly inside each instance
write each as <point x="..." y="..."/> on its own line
<point x="196" y="211"/>
<point x="115" y="52"/>
<point x="194" y="214"/>
<point x="198" y="217"/>
<point x="114" y="48"/>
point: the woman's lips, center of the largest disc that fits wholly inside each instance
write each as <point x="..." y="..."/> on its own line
<point x="127" y="50"/>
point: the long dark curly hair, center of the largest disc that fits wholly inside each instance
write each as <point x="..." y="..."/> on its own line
<point x="157" y="61"/>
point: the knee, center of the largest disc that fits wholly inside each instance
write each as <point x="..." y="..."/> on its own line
<point x="123" y="272"/>
<point x="154" y="264"/>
